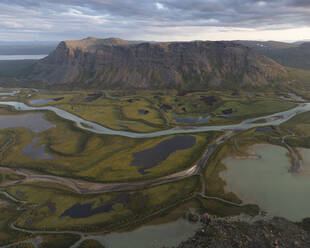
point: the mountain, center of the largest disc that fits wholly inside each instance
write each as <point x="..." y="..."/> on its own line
<point x="295" y="55"/>
<point x="116" y="63"/>
<point x="301" y="42"/>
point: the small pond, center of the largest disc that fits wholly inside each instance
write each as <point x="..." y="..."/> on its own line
<point x="143" y="112"/>
<point x="36" y="152"/>
<point x="45" y="100"/>
<point x="267" y="182"/>
<point x="124" y="124"/>
<point x="191" y="120"/>
<point x="78" y="210"/>
<point x="151" y="157"/>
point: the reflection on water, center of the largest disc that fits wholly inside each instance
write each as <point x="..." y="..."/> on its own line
<point x="34" y="122"/>
<point x="45" y="100"/>
<point x="192" y="120"/>
<point x="36" y="152"/>
<point x="151" y="157"/>
<point x="40" y="101"/>
<point x="267" y="182"/>
<point x="164" y="235"/>
<point x="78" y="210"/>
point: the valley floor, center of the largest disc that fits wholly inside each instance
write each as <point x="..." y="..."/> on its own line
<point x="63" y="185"/>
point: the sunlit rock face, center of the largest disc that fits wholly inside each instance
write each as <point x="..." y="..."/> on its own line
<point x="117" y="63"/>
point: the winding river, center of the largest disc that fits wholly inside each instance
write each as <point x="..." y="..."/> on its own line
<point x="273" y="119"/>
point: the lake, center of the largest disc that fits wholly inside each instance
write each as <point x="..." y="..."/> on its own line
<point x="22" y="57"/>
<point x="155" y="236"/>
<point x="267" y="182"/>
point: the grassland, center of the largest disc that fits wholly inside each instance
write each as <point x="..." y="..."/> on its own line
<point x="119" y="114"/>
<point x="122" y="112"/>
<point x="7" y="214"/>
<point x="52" y="202"/>
<point x="102" y="158"/>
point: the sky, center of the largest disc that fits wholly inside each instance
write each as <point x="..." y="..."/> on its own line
<point x="158" y="20"/>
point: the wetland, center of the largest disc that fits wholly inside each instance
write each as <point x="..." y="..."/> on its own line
<point x="122" y="169"/>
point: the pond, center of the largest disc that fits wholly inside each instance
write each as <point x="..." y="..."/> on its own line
<point x="155" y="236"/>
<point x="78" y="210"/>
<point x="191" y="119"/>
<point x="151" y="157"/>
<point x="34" y="122"/>
<point x="36" y="152"/>
<point x="267" y="182"/>
<point x="143" y="112"/>
<point x="44" y="100"/>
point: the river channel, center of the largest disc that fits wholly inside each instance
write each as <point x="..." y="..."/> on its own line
<point x="274" y="119"/>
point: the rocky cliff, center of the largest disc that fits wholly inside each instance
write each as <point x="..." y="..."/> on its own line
<point x="116" y="63"/>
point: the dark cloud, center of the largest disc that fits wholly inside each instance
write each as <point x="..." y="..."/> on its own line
<point x="58" y="19"/>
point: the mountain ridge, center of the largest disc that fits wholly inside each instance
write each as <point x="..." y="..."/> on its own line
<point x="117" y="63"/>
<point x="294" y="55"/>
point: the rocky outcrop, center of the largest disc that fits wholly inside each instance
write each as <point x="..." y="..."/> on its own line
<point x="115" y="63"/>
<point x="277" y="233"/>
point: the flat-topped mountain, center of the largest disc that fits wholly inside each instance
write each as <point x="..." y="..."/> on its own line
<point x="92" y="44"/>
<point x="116" y="63"/>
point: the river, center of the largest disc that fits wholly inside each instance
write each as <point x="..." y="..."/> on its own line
<point x="273" y="119"/>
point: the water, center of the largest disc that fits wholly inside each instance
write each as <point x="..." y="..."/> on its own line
<point x="192" y="120"/>
<point x="36" y="152"/>
<point x="296" y="98"/>
<point x="274" y="119"/>
<point x="40" y="101"/>
<point x="143" y="112"/>
<point x="267" y="182"/>
<point x="157" y="236"/>
<point x="22" y="57"/>
<point x="151" y="157"/>
<point x="34" y="122"/>
<point x="79" y="210"/>
<point x="45" y="100"/>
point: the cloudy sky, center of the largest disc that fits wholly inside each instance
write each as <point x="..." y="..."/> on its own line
<point x="160" y="20"/>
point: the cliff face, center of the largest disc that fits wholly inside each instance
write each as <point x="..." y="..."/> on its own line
<point x="115" y="63"/>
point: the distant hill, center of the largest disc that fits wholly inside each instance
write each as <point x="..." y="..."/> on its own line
<point x="116" y="63"/>
<point x="14" y="68"/>
<point x="295" y="55"/>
